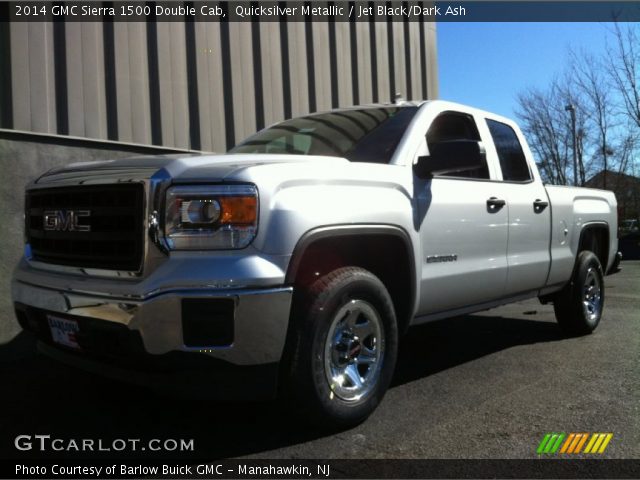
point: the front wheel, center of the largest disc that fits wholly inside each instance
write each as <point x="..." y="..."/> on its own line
<point x="345" y="347"/>
<point x="578" y="306"/>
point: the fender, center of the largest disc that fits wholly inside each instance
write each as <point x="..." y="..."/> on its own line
<point x="603" y="254"/>
<point x="333" y="231"/>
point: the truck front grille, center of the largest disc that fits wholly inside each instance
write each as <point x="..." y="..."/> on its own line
<point x="97" y="226"/>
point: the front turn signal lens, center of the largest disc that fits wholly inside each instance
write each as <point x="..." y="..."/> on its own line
<point x="238" y="210"/>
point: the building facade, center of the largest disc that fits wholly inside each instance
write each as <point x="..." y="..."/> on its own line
<point x="202" y="85"/>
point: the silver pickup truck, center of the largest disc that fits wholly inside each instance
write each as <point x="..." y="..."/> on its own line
<point x="292" y="264"/>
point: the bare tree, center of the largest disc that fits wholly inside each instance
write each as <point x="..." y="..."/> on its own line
<point x="625" y="152"/>
<point x="570" y="94"/>
<point x="604" y="92"/>
<point x="547" y="126"/>
<point x="624" y="68"/>
<point x="589" y="77"/>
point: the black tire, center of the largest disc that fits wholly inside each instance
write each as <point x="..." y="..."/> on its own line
<point x="578" y="306"/>
<point x="341" y="304"/>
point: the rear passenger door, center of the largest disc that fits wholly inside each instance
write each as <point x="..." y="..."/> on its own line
<point x="528" y="210"/>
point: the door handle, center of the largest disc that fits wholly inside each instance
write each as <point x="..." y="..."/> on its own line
<point x="494" y="204"/>
<point x="539" y="205"/>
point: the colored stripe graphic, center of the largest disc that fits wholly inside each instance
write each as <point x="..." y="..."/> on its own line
<point x="591" y="442"/>
<point x="543" y="443"/>
<point x="550" y="443"/>
<point x="596" y="446"/>
<point x="555" y="447"/>
<point x="598" y="442"/>
<point x="573" y="443"/>
<point x="576" y="446"/>
<point x="567" y="443"/>
<point x="581" y="443"/>
<point x="605" y="443"/>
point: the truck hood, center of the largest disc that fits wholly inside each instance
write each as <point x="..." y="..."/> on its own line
<point x="268" y="171"/>
<point x="181" y="168"/>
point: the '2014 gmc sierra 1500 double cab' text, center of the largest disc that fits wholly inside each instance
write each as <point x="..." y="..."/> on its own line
<point x="292" y="264"/>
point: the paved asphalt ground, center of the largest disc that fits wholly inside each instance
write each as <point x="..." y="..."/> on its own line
<point x="488" y="385"/>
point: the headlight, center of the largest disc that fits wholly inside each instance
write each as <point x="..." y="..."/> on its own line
<point x="200" y="217"/>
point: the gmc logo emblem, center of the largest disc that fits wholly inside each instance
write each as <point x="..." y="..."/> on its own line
<point x="65" y="220"/>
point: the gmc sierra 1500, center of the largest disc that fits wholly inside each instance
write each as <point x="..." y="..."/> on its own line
<point x="293" y="263"/>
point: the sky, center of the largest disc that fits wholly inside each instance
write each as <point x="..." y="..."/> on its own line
<point x="485" y="65"/>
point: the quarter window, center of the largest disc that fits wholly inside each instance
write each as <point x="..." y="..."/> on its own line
<point x="512" y="160"/>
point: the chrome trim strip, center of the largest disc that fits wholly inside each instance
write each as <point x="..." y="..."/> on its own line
<point x="150" y="295"/>
<point x="158" y="185"/>
<point x="88" y="272"/>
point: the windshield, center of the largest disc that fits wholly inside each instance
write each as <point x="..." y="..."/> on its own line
<point x="363" y="135"/>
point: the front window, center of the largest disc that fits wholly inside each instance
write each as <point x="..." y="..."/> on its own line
<point x="452" y="126"/>
<point x="362" y="135"/>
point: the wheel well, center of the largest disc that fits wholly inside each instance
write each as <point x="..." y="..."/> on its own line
<point x="595" y="238"/>
<point x="387" y="256"/>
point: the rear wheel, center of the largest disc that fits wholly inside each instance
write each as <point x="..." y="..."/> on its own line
<point x="578" y="306"/>
<point x="345" y="347"/>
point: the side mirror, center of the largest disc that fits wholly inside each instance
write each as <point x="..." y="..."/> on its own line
<point x="449" y="157"/>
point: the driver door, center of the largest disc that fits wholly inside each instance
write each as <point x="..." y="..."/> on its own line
<point x="463" y="228"/>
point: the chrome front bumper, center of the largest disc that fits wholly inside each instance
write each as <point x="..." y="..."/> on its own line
<point x="261" y="318"/>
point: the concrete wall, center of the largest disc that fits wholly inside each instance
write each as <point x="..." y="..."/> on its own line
<point x="24" y="156"/>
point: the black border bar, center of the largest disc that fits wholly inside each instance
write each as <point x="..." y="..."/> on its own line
<point x="304" y="468"/>
<point x="339" y="11"/>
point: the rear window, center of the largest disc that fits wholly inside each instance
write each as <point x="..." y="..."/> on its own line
<point x="512" y="160"/>
<point x="362" y="135"/>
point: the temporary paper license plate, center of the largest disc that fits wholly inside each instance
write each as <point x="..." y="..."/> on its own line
<point x="64" y="331"/>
